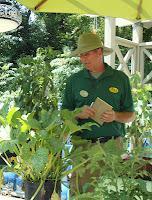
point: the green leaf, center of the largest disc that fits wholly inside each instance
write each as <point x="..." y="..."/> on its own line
<point x="43" y="134"/>
<point x="7" y="146"/>
<point x="74" y="127"/>
<point x="26" y="152"/>
<point x="39" y="159"/>
<point x="34" y="124"/>
<point x="55" y="145"/>
<point x="10" y="114"/>
<point x="55" y="196"/>
<point x="22" y="138"/>
<point x="24" y="125"/>
<point x="2" y="121"/>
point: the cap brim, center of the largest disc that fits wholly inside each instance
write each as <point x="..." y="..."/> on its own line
<point x="106" y="51"/>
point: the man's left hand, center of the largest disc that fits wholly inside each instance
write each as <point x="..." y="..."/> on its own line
<point x="108" y="116"/>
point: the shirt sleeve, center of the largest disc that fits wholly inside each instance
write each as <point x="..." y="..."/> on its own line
<point x="127" y="100"/>
<point x="68" y="98"/>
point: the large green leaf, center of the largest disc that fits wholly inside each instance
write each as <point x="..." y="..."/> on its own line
<point x="26" y="152"/>
<point x="74" y="127"/>
<point x="55" y="145"/>
<point x="39" y="160"/>
<point x="8" y="146"/>
<point x="34" y="124"/>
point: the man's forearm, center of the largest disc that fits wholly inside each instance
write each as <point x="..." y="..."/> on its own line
<point x="124" y="117"/>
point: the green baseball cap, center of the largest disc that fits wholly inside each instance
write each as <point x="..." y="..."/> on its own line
<point x="89" y="41"/>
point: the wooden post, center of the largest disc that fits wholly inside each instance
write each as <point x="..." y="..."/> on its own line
<point x="109" y="39"/>
<point x="137" y="36"/>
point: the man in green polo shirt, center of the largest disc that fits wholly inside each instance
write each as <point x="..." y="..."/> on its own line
<point x="97" y="79"/>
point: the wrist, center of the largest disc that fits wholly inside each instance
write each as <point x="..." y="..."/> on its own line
<point x="115" y="116"/>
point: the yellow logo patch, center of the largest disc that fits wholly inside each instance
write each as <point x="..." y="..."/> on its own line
<point x="113" y="90"/>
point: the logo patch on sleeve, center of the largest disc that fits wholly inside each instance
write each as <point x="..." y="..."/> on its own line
<point x="113" y="90"/>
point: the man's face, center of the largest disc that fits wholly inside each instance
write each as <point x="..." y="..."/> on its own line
<point x="92" y="59"/>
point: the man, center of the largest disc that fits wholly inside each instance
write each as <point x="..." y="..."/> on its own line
<point x="97" y="79"/>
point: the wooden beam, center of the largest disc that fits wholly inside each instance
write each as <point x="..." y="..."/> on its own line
<point x="141" y="59"/>
<point x="125" y="42"/>
<point x="148" y="54"/>
<point x="134" y="60"/>
<point x="109" y="39"/>
<point x="137" y="37"/>
<point x="137" y="33"/>
<point x="121" y="60"/>
<point x="126" y="58"/>
<point x="148" y="77"/>
<point x="147" y="45"/>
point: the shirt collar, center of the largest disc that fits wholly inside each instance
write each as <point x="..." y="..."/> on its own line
<point x="108" y="72"/>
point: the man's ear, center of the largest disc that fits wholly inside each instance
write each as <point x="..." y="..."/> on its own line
<point x="100" y="51"/>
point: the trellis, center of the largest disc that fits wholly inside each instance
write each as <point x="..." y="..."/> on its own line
<point x="137" y="49"/>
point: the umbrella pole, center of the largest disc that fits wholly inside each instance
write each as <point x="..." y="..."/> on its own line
<point x="39" y="5"/>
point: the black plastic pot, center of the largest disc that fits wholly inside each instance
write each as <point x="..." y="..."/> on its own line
<point x="46" y="191"/>
<point x="30" y="189"/>
<point x="49" y="188"/>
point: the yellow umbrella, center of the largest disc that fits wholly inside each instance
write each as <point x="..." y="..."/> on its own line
<point x="130" y="9"/>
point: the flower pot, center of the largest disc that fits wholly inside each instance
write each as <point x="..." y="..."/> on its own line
<point x="49" y="188"/>
<point x="45" y="192"/>
<point x="30" y="189"/>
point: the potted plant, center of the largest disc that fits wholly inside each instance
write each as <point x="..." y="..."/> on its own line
<point x="38" y="144"/>
<point x="117" y="178"/>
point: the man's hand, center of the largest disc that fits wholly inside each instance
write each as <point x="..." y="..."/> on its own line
<point x="123" y="117"/>
<point x="108" y="116"/>
<point x="86" y="112"/>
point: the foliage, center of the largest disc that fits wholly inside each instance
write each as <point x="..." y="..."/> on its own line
<point x="40" y="30"/>
<point x="141" y="96"/>
<point x="147" y="37"/>
<point x="34" y="82"/>
<point x="117" y="178"/>
<point x="7" y="74"/>
<point x="63" y="68"/>
<point x="76" y="25"/>
<point x="124" y="32"/>
<point x="24" y="40"/>
<point x="38" y="143"/>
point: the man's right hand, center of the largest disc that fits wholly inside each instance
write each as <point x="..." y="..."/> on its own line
<point x="86" y="112"/>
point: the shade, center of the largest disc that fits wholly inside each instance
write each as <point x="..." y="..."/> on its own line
<point x="129" y="9"/>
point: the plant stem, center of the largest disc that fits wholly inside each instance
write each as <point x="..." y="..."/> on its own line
<point x="38" y="189"/>
<point x="6" y="160"/>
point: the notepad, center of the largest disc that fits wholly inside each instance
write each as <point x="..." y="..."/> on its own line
<point x="100" y="106"/>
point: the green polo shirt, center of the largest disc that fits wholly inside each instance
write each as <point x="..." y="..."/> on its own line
<point x="112" y="86"/>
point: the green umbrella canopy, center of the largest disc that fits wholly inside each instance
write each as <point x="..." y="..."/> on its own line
<point x="129" y="9"/>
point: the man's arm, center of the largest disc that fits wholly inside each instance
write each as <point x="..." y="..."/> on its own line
<point x="123" y="117"/>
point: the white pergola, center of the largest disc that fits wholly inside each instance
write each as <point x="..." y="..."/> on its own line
<point x="137" y="49"/>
